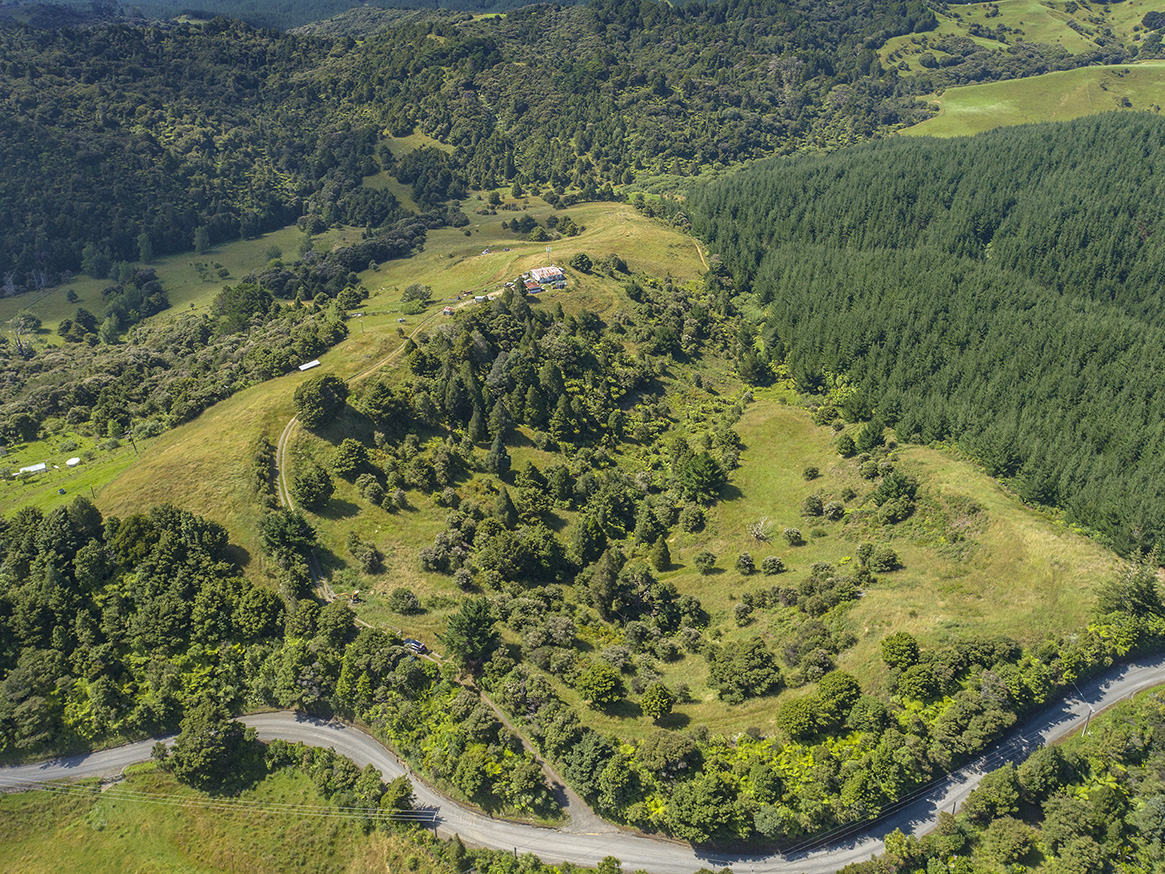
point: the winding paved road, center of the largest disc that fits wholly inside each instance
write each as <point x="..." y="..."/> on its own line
<point x="827" y="854"/>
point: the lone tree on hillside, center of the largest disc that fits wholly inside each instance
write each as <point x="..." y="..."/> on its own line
<point x="313" y="487"/>
<point x="470" y="635"/>
<point x="657" y="701"/>
<point x="319" y="399"/>
<point x="701" y="478"/>
<point x="417" y="292"/>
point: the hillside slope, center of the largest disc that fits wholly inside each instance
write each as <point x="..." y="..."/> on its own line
<point x="1001" y="291"/>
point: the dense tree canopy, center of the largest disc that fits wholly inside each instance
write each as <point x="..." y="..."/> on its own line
<point x="1001" y="291"/>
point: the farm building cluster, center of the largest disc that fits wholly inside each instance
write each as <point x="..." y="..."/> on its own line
<point x="536" y="281"/>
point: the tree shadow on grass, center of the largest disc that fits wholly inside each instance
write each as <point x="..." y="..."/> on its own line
<point x="349" y="423"/>
<point x="237" y="555"/>
<point x="729" y="492"/>
<point x="624" y="709"/>
<point x="337" y="508"/>
<point x="674" y="720"/>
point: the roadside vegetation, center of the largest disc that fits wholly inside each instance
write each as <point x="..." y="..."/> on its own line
<point x="1090" y="804"/>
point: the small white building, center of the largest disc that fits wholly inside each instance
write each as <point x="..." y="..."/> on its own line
<point x="33" y="468"/>
<point x="309" y="365"/>
<point x="73" y="462"/>
<point x="546" y="275"/>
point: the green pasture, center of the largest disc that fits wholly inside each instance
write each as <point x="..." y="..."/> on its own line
<point x="163" y="827"/>
<point x="101" y="461"/>
<point x="204" y="465"/>
<point x="454" y="263"/>
<point x="1007" y="570"/>
<point x="1058" y="96"/>
<point x="1078" y="27"/>
<point x="1001" y="570"/>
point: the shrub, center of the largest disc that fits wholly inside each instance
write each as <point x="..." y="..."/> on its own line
<point x="705" y="561"/>
<point x="884" y="560"/>
<point x="692" y="519"/>
<point x="657" y="701"/>
<point x="660" y="556"/>
<point x="320" y="399"/>
<point x="745" y="564"/>
<point x="772" y="565"/>
<point x="350" y="456"/>
<point x="833" y="511"/>
<point x="810" y="473"/>
<point x="312" y="488"/>
<point x="600" y="685"/>
<point x="793" y="537"/>
<point x="743" y="670"/>
<point x="405" y="602"/>
<point x="367" y="556"/>
<point x="798" y="718"/>
<point x="580" y="262"/>
<point x="812" y="506"/>
<point x="900" y="650"/>
<point x="917" y="683"/>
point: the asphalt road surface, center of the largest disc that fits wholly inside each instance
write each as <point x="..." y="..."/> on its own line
<point x="824" y="855"/>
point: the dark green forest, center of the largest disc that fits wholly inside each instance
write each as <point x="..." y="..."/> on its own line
<point x="121" y="133"/>
<point x="1001" y="292"/>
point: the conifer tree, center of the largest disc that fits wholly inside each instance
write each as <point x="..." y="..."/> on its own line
<point x="497" y="460"/>
<point x="660" y="555"/>
<point x="505" y="510"/>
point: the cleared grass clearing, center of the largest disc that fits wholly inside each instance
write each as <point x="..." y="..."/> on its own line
<point x="1034" y="21"/>
<point x="453" y="263"/>
<point x="108" y="833"/>
<point x="401" y="146"/>
<point x="403" y="193"/>
<point x="1058" y="96"/>
<point x="100" y="463"/>
<point x="1016" y="573"/>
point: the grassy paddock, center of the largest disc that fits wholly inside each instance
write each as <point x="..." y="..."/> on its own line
<point x="99" y="832"/>
<point x="1059" y="96"/>
<point x="1015" y="573"/>
<point x="100" y="464"/>
<point x="453" y="263"/>
<point x="1032" y="21"/>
